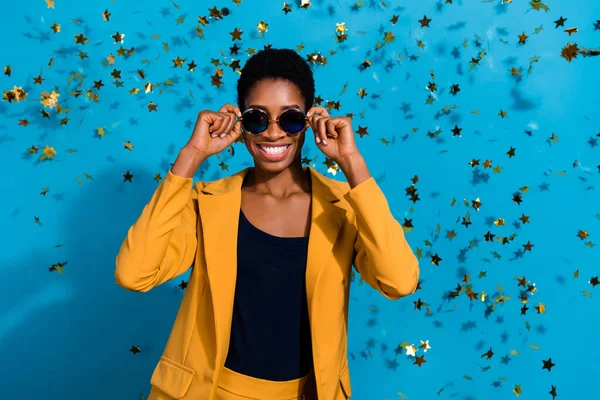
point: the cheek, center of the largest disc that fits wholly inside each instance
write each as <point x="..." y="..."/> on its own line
<point x="304" y="135"/>
<point x="247" y="141"/>
<point x="300" y="142"/>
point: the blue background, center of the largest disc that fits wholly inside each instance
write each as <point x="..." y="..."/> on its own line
<point x="67" y="335"/>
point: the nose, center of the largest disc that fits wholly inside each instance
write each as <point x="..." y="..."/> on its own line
<point x="273" y="131"/>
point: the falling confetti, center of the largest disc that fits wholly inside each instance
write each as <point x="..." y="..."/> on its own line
<point x="479" y="118"/>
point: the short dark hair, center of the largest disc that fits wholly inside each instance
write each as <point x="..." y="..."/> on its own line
<point x="277" y="64"/>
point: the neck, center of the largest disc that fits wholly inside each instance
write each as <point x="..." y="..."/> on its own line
<point x="279" y="184"/>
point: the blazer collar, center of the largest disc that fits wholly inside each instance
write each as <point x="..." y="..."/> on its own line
<point x="219" y="205"/>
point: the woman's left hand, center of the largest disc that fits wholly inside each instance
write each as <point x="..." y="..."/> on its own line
<point x="338" y="133"/>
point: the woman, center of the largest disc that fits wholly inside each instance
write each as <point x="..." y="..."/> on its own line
<point x="264" y="315"/>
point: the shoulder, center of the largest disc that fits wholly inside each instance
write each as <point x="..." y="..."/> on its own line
<point x="224" y="183"/>
<point x="340" y="187"/>
<point x="335" y="184"/>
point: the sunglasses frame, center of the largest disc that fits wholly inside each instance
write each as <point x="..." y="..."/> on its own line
<point x="274" y="120"/>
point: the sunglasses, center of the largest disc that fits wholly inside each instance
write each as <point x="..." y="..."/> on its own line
<point x="291" y="121"/>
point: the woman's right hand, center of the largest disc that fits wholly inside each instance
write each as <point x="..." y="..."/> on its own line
<point x="210" y="126"/>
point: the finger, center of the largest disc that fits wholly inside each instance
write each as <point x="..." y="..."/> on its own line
<point x="322" y="130"/>
<point x="227" y="121"/>
<point x="314" y="121"/>
<point x="315" y="127"/>
<point x="330" y="125"/>
<point x="233" y="135"/>
<point x="203" y="124"/>
<point x="237" y="129"/>
<point x="322" y="111"/>
<point x="231" y="123"/>
<point x="231" y="108"/>
<point x="223" y="126"/>
<point x="217" y="121"/>
<point x="236" y="132"/>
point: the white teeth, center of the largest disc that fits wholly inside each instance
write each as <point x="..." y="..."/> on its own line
<point x="274" y="150"/>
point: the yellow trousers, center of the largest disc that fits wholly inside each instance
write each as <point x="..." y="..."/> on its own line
<point x="235" y="386"/>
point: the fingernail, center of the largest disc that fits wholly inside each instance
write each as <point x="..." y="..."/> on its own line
<point x="324" y="141"/>
<point x="318" y="139"/>
<point x="222" y="135"/>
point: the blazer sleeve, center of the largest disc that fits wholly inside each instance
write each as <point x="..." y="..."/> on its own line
<point x="162" y="243"/>
<point x="382" y="256"/>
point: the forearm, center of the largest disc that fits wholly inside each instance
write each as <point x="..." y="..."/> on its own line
<point x="356" y="171"/>
<point x="187" y="162"/>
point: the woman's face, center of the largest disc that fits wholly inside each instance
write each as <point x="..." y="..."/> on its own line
<point x="273" y="96"/>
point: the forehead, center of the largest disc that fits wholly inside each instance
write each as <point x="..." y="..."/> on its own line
<point x="274" y="94"/>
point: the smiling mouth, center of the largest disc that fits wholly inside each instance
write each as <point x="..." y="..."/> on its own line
<point x="271" y="155"/>
<point x="268" y="147"/>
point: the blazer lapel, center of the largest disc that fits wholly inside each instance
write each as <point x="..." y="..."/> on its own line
<point x="219" y="205"/>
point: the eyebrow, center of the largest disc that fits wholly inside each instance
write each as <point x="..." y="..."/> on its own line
<point x="282" y="107"/>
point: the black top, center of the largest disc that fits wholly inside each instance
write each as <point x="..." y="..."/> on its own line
<point x="270" y="330"/>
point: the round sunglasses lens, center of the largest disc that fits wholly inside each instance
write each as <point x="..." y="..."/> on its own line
<point x="255" y="121"/>
<point x="292" y="121"/>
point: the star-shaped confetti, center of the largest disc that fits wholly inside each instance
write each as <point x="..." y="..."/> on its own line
<point x="444" y="110"/>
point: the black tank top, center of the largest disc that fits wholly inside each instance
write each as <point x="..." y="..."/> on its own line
<point x="270" y="329"/>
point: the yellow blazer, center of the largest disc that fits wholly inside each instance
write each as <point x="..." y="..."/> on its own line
<point x="183" y="225"/>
